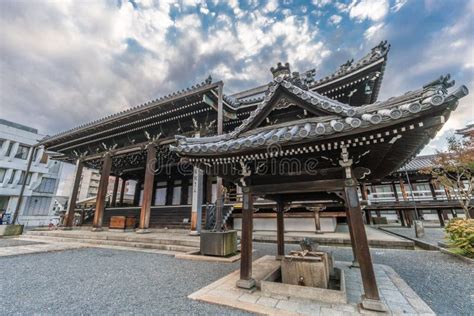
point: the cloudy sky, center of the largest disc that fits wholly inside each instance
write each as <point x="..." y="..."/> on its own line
<point x="67" y="62"/>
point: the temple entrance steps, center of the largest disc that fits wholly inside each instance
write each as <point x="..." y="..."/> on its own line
<point x="158" y="239"/>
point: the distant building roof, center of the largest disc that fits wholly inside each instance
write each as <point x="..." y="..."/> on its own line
<point x="19" y="126"/>
<point x="466" y="131"/>
<point x="418" y="163"/>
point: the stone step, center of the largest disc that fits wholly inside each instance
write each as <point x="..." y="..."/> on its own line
<point x="121" y="237"/>
<point x="107" y="242"/>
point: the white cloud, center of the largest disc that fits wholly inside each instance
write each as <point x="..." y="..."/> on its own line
<point x="335" y="19"/>
<point x="398" y="5"/>
<point x="374" y="10"/>
<point x="321" y="3"/>
<point x="271" y="6"/>
<point x="373" y="32"/>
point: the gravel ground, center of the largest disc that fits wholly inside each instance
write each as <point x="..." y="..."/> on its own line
<point x="103" y="281"/>
<point x="432" y="234"/>
<point x="11" y="242"/>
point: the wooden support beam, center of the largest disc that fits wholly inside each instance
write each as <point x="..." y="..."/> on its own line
<point x="368" y="217"/>
<point x="114" y="192"/>
<point x="350" y="226"/>
<point x="147" y="189"/>
<point x="122" y="192"/>
<point x="169" y="191"/>
<point x="102" y="192"/>
<point x="402" y="218"/>
<point x="184" y="191"/>
<point x="136" y="196"/>
<point x="73" y="197"/>
<point x="440" y="217"/>
<point x="359" y="238"/>
<point x="280" y="229"/>
<point x="246" y="280"/>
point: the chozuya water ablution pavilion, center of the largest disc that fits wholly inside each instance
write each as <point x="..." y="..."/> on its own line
<point x="296" y="139"/>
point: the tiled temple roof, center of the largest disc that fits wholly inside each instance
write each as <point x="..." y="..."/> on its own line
<point x="418" y="163"/>
<point x="132" y="110"/>
<point x="336" y="118"/>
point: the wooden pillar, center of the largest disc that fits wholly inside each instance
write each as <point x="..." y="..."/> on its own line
<point x="169" y="192"/>
<point x="246" y="280"/>
<point x="209" y="189"/>
<point x="184" y="191"/>
<point x="408" y="217"/>
<point x="368" y="217"/>
<point x="280" y="229"/>
<point x="71" y="207"/>
<point x="440" y="217"/>
<point x="361" y="246"/>
<point x="102" y="192"/>
<point x="395" y="193"/>
<point x="433" y="190"/>
<point x="136" y="196"/>
<point x="355" y="261"/>
<point x="114" y="192"/>
<point x="122" y="192"/>
<point x="402" y="218"/>
<point x="153" y="193"/>
<point x="147" y="189"/>
<point x="402" y="188"/>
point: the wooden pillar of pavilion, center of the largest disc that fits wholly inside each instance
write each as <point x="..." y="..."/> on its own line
<point x="246" y="280"/>
<point x="114" y="192"/>
<point x="184" y="191"/>
<point x="371" y="298"/>
<point x="147" y="189"/>
<point x="73" y="197"/>
<point x="365" y="197"/>
<point x="102" y="192"/>
<point x="280" y="229"/>
<point x="136" y="196"/>
<point x="122" y="192"/>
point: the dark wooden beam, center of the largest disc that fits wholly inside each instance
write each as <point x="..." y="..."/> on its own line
<point x="280" y="229"/>
<point x="73" y="197"/>
<point x="114" y="192"/>
<point x="147" y="189"/>
<point x="360" y="242"/>
<point x="298" y="187"/>
<point x="122" y="191"/>
<point x="246" y="280"/>
<point x="102" y="192"/>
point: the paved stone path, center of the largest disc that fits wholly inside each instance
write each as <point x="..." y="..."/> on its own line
<point x="106" y="281"/>
<point x="394" y="292"/>
<point x="432" y="234"/>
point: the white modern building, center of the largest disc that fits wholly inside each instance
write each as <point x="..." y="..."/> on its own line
<point x="39" y="199"/>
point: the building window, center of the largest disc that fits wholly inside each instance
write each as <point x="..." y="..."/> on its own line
<point x="12" y="176"/>
<point x="22" y="178"/>
<point x="37" y="205"/>
<point x="2" y="174"/>
<point x="22" y="152"/>
<point x="47" y="185"/>
<point x="9" y="150"/>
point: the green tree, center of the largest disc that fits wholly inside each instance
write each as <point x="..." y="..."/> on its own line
<point x="454" y="169"/>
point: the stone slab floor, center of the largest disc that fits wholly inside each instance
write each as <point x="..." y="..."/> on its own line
<point x="106" y="281"/>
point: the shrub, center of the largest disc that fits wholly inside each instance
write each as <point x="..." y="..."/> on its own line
<point x="461" y="234"/>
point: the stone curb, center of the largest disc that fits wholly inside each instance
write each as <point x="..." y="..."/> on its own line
<point x="431" y="247"/>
